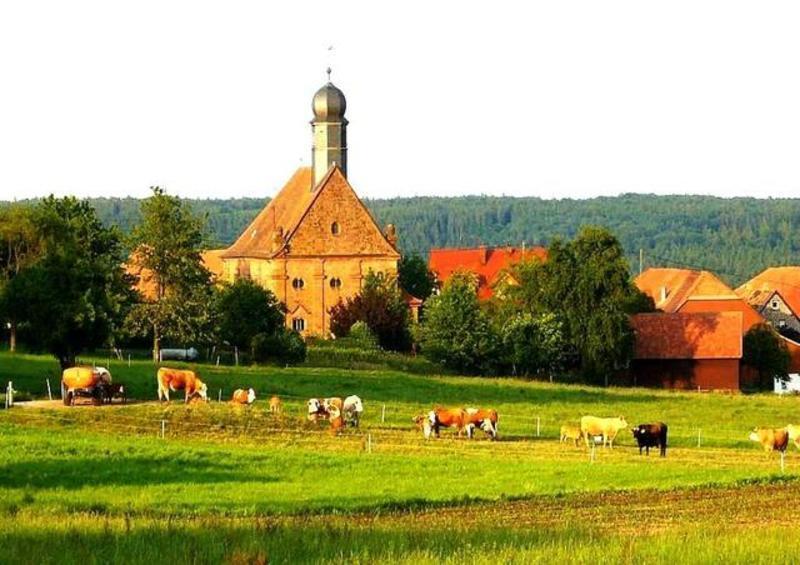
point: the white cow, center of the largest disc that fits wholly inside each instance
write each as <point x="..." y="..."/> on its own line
<point x="352" y="408"/>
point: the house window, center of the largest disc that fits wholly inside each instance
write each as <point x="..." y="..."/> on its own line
<point x="774" y="304"/>
<point x="298" y="324"/>
<point x="335" y="228"/>
<point x="781" y="323"/>
<point x="336" y="283"/>
<point x="298" y="284"/>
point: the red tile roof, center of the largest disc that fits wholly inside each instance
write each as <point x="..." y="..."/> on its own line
<point x="704" y="335"/>
<point x="785" y="280"/>
<point x="487" y="263"/>
<point x="671" y="288"/>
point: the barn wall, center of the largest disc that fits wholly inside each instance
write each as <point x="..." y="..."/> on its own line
<point x="708" y="374"/>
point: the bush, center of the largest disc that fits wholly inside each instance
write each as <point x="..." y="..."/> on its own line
<point x="361" y="336"/>
<point x="285" y="347"/>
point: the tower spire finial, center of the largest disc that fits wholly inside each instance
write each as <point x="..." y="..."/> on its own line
<point x="328" y="70"/>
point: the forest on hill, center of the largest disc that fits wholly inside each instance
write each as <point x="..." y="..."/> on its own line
<point x="734" y="237"/>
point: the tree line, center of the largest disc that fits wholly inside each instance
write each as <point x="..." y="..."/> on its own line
<point x="734" y="237"/>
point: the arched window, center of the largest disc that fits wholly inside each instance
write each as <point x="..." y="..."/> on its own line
<point x="336" y="283"/>
<point x="298" y="324"/>
<point x="335" y="228"/>
<point x="298" y="284"/>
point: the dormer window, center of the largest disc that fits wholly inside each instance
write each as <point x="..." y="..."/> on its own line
<point x="298" y="284"/>
<point x="335" y="228"/>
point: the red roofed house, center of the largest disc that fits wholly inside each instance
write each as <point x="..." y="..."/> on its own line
<point x="688" y="350"/>
<point x="489" y="264"/>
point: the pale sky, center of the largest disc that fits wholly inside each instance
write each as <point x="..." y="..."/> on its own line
<point x="550" y="99"/>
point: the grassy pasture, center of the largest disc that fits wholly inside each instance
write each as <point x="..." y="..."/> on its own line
<point x="239" y="485"/>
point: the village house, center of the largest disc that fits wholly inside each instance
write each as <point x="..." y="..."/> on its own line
<point x="775" y="294"/>
<point x="687" y="291"/>
<point x="490" y="265"/>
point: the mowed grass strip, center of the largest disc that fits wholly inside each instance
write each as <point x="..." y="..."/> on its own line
<point x="749" y="523"/>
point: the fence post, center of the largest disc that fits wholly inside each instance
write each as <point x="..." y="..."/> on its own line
<point x="217" y="360"/>
<point x="369" y="443"/>
<point x="383" y="414"/>
<point x="220" y="395"/>
<point x="783" y="457"/>
<point x="698" y="437"/>
<point x="49" y="392"/>
<point x="129" y="360"/>
<point x="538" y="426"/>
<point x="8" y="395"/>
<point x="163" y="428"/>
<point x="591" y="457"/>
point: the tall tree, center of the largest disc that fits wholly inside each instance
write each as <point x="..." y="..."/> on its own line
<point x="766" y="352"/>
<point x="76" y="294"/>
<point x="245" y="309"/>
<point x="415" y="277"/>
<point x="167" y="247"/>
<point x="456" y="331"/>
<point x="20" y="246"/>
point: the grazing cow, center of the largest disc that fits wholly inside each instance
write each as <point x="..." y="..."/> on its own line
<point x="178" y="379"/>
<point x="444" y="418"/>
<point x="316" y="410"/>
<point x="608" y="428"/>
<point x="275" y="405"/>
<point x="333" y="402"/>
<point x="241" y="396"/>
<point x="651" y="435"/>
<point x="771" y="439"/>
<point x="352" y="408"/>
<point x="485" y="419"/>
<point x="570" y="432"/>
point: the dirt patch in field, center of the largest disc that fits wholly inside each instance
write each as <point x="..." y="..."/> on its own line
<point x="646" y="511"/>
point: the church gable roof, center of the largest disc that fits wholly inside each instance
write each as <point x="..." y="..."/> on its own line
<point x="266" y="234"/>
<point x="356" y="232"/>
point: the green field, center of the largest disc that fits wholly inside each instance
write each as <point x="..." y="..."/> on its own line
<point x="241" y="485"/>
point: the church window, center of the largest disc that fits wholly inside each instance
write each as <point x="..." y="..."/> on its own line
<point x="298" y="324"/>
<point x="336" y="283"/>
<point x="298" y="283"/>
<point x="335" y="228"/>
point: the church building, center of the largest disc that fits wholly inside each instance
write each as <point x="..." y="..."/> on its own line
<point x="315" y="241"/>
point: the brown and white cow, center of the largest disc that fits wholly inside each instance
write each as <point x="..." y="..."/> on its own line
<point x="323" y="409"/>
<point x="771" y="439"/>
<point x="241" y="396"/>
<point x="439" y="418"/>
<point x="608" y="428"/>
<point x="179" y="379"/>
<point x="485" y="419"/>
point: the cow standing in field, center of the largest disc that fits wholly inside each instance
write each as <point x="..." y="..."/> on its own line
<point x="178" y="379"/>
<point x="570" y="432"/>
<point x="245" y="397"/>
<point x="651" y="435"/>
<point x="608" y="428"/>
<point x="439" y="418"/>
<point x="352" y="408"/>
<point x="485" y="419"/>
<point x="771" y="439"/>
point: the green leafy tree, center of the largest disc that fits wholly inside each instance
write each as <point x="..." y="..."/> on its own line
<point x="589" y="282"/>
<point x="20" y="246"/>
<point x="533" y="344"/>
<point x="76" y="294"/>
<point x="283" y="346"/>
<point x="457" y="332"/>
<point x="167" y="246"/>
<point x="244" y="309"/>
<point x="766" y="352"/>
<point x="415" y="277"/>
<point x="381" y="307"/>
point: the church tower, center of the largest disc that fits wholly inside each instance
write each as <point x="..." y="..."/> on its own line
<point x="329" y="131"/>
